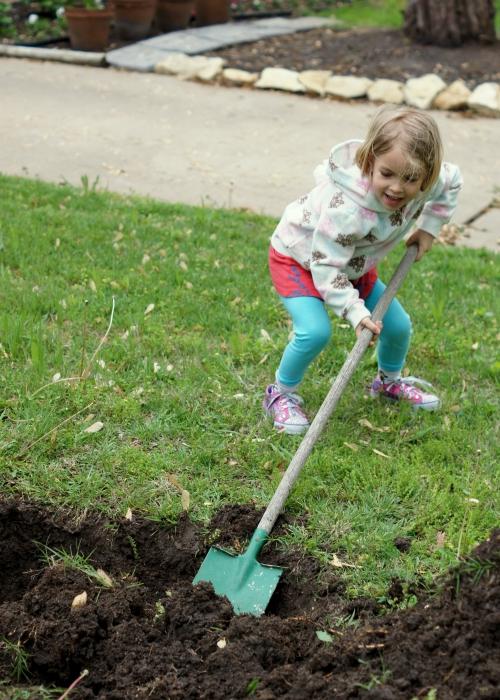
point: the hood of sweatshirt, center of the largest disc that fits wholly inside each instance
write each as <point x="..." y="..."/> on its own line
<point x="341" y="168"/>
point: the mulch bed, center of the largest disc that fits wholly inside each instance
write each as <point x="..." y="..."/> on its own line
<point x="153" y="635"/>
<point x="369" y="53"/>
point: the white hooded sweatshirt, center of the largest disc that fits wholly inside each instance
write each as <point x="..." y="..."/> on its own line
<point x="340" y="230"/>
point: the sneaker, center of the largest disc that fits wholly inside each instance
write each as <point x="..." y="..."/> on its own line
<point x="285" y="411"/>
<point x="404" y="389"/>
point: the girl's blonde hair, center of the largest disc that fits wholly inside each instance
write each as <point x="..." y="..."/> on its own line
<point x="417" y="134"/>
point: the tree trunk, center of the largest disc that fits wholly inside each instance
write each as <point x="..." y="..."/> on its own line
<point x="450" y="22"/>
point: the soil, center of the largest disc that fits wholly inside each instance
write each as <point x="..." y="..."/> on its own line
<point x="369" y="53"/>
<point x="154" y="635"/>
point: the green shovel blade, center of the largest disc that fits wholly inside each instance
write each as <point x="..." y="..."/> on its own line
<point x="247" y="584"/>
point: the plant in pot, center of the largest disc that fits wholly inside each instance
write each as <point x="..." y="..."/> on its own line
<point x="211" y="12"/>
<point x="173" y="14"/>
<point x="133" y="18"/>
<point x="89" y="24"/>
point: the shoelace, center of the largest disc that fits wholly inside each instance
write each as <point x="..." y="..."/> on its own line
<point x="289" y="401"/>
<point x="415" y="380"/>
<point x="413" y="384"/>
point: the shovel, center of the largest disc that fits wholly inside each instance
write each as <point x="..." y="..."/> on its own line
<point x="248" y="584"/>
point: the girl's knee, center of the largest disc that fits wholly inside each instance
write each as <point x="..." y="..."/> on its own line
<point x="397" y="327"/>
<point x="314" y="336"/>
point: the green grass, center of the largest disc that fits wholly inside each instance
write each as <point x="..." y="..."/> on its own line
<point x="178" y="389"/>
<point x="380" y="13"/>
<point x="371" y="13"/>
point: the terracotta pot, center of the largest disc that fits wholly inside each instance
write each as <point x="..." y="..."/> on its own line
<point x="133" y="18"/>
<point x="211" y="12"/>
<point x="173" y="14"/>
<point x="88" y="29"/>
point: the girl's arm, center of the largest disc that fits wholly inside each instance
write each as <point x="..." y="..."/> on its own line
<point x="441" y="201"/>
<point x="333" y="248"/>
<point x="423" y="240"/>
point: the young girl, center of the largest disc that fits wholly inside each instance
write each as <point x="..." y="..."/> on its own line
<point x="368" y="196"/>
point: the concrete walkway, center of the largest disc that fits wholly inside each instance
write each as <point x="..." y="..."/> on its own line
<point x="201" y="144"/>
<point x="144" y="55"/>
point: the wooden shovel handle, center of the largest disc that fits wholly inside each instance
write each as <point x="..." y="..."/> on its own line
<point x="327" y="407"/>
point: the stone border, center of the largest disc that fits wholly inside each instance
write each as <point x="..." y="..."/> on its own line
<point x="427" y="92"/>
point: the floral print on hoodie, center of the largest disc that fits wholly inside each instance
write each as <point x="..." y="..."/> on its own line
<point x="340" y="230"/>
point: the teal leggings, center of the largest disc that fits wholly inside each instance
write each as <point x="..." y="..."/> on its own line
<point x="312" y="331"/>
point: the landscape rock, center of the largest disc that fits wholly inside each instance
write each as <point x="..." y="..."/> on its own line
<point x="191" y="67"/>
<point x="455" y="96"/>
<point x="315" y="80"/>
<point x="421" y="92"/>
<point x="485" y="99"/>
<point x="239" y="77"/>
<point x="385" y="90"/>
<point x="280" y="79"/>
<point x="347" y="87"/>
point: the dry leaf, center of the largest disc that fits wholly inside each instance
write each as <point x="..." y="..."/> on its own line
<point x="149" y="308"/>
<point x="366" y="424"/>
<point x="339" y="564"/>
<point x="92" y="285"/>
<point x="352" y="446"/>
<point x="145" y="258"/>
<point x="263" y="359"/>
<point x="185" y="499"/>
<point x="440" y="538"/>
<point x="381" y="454"/>
<point x="474" y="346"/>
<point x="79" y="600"/>
<point x="183" y="265"/>
<point x="473" y="501"/>
<point x="172" y="479"/>
<point x="128" y="514"/>
<point x="156" y="367"/>
<point x="56" y="377"/>
<point x="104" y="579"/>
<point x="265" y="335"/>
<point x="235" y="301"/>
<point x="95" y="427"/>
<point x="188" y="285"/>
<point x="57" y="243"/>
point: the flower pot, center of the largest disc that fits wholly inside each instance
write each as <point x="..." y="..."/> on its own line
<point x="133" y="18"/>
<point x="211" y="12"/>
<point x="88" y="29"/>
<point x="173" y="14"/>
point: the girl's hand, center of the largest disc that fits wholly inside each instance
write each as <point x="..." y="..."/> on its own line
<point x="424" y="241"/>
<point x="375" y="328"/>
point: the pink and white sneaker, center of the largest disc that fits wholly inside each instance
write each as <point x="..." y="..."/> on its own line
<point x="404" y="389"/>
<point x="285" y="410"/>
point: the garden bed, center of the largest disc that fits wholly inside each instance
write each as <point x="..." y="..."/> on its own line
<point x="151" y="634"/>
<point x="371" y="53"/>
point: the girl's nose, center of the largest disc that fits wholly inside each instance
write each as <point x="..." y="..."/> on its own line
<point x="396" y="187"/>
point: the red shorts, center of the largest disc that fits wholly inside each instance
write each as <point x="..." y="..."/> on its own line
<point x="292" y="280"/>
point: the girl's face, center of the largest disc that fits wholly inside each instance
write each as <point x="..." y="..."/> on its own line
<point x="391" y="184"/>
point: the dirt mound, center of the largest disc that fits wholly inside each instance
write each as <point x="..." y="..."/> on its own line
<point x="153" y="635"/>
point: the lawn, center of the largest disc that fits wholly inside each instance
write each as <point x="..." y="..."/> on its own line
<point x="136" y="340"/>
